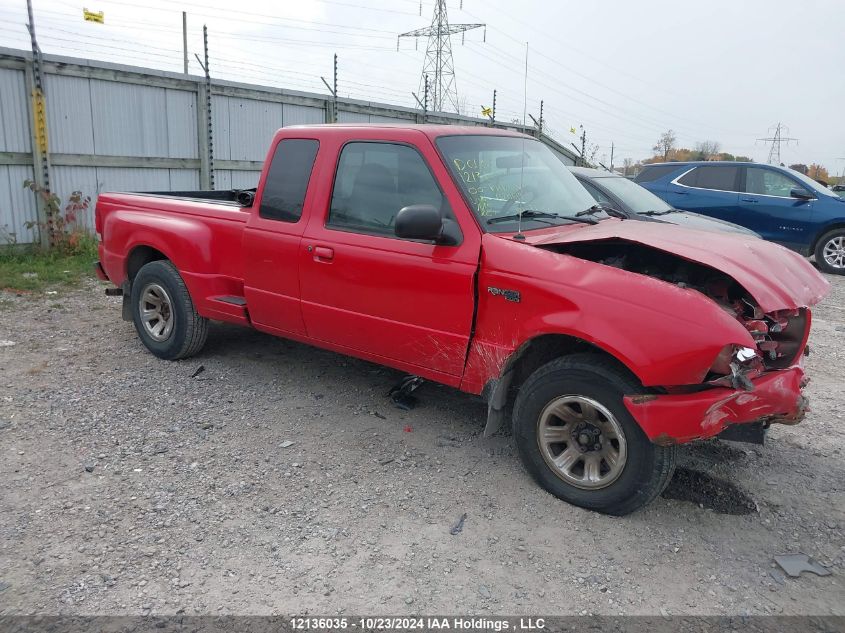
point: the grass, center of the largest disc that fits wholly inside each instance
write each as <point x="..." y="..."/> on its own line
<point x="31" y="269"/>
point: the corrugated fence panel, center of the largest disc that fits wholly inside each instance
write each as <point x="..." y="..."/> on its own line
<point x="129" y="120"/>
<point x="222" y="179"/>
<point x="181" y="124"/>
<point x="66" y="180"/>
<point x="132" y="179"/>
<point x="220" y="126"/>
<point x="303" y="115"/>
<point x="245" y="179"/>
<point x="14" y="112"/>
<point x="352" y="117"/>
<point x="17" y="205"/>
<point x="184" y="179"/>
<point x="377" y="118"/>
<point x="69" y="123"/>
<point x="251" y="127"/>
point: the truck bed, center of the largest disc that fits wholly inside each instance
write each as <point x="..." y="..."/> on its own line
<point x="233" y="197"/>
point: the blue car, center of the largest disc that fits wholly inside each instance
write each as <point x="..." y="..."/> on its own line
<point x="780" y="204"/>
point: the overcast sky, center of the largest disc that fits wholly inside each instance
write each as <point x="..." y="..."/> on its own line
<point x="718" y="70"/>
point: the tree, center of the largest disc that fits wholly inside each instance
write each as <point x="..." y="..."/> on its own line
<point x="799" y="167"/>
<point x="817" y="172"/>
<point x="627" y="164"/>
<point x="591" y="152"/>
<point x="665" y="144"/>
<point x="707" y="150"/>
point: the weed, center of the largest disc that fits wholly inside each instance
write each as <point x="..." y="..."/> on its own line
<point x="72" y="252"/>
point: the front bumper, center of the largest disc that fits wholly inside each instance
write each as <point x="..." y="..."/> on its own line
<point x="677" y="418"/>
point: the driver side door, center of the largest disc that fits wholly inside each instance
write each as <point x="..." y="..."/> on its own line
<point x="404" y="303"/>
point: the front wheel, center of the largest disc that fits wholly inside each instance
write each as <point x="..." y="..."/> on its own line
<point x="577" y="439"/>
<point x="830" y="252"/>
<point x="164" y="315"/>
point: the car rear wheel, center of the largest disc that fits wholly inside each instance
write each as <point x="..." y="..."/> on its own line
<point x="164" y="315"/>
<point x="830" y="252"/>
<point x="577" y="439"/>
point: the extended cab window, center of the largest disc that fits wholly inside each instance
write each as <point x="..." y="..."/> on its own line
<point x="287" y="179"/>
<point x="374" y="181"/>
<point x="768" y="182"/>
<point x="721" y="178"/>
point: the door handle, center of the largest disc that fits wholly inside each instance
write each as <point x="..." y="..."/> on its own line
<point x="751" y="200"/>
<point x="323" y="253"/>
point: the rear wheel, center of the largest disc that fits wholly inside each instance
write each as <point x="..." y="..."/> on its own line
<point x="578" y="440"/>
<point x="164" y="315"/>
<point x="830" y="252"/>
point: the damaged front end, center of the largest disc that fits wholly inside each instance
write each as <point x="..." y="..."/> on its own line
<point x="758" y="385"/>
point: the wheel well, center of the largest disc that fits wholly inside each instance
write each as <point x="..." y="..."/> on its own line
<point x="543" y="349"/>
<point x="823" y="232"/>
<point x="139" y="257"/>
<point x="538" y="351"/>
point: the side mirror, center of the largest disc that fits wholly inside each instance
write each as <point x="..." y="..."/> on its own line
<point x="419" y="222"/>
<point x="801" y="193"/>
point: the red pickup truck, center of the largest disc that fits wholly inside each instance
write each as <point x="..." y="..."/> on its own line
<point x="472" y="257"/>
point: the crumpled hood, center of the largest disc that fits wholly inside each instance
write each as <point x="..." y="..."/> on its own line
<point x="776" y="277"/>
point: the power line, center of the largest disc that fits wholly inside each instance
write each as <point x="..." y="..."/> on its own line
<point x="557" y="62"/>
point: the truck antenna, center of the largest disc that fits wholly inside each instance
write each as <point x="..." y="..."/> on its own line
<point x="519" y="235"/>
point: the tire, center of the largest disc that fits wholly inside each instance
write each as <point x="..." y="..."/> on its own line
<point x="830" y="252"/>
<point x="170" y="328"/>
<point x="626" y="472"/>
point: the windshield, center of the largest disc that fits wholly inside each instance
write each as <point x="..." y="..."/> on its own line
<point x="501" y="176"/>
<point x="637" y="198"/>
<point x="811" y="184"/>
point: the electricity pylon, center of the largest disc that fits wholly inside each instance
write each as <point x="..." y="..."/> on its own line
<point x="439" y="66"/>
<point x="776" y="140"/>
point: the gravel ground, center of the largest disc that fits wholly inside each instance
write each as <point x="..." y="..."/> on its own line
<point x="281" y="479"/>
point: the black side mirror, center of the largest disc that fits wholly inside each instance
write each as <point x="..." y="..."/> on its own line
<point x="801" y="193"/>
<point x="419" y="222"/>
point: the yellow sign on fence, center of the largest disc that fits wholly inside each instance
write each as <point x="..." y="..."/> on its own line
<point x="486" y="111"/>
<point x="39" y="116"/>
<point x="91" y="16"/>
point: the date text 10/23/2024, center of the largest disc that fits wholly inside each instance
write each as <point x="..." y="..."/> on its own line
<point x="419" y="623"/>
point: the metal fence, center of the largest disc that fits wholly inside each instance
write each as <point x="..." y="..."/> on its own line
<point x="123" y="128"/>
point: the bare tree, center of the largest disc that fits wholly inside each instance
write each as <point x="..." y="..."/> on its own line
<point x="626" y="165"/>
<point x="665" y="144"/>
<point x="707" y="150"/>
<point x="591" y="152"/>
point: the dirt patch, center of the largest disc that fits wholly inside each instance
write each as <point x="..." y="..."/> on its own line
<point x="709" y="492"/>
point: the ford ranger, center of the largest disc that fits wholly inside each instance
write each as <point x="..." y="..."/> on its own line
<point x="472" y="257"/>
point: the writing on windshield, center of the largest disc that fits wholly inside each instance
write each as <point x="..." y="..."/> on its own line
<point x="502" y="176"/>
